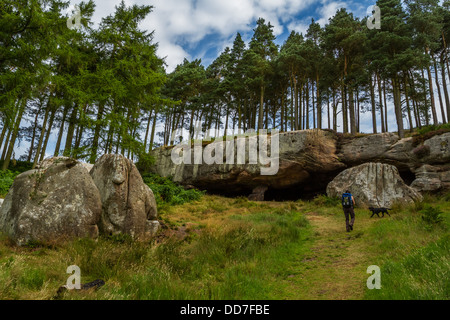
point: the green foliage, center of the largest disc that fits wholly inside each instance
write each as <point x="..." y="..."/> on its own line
<point x="429" y="132"/>
<point x="432" y="215"/>
<point x="422" y="275"/>
<point x="6" y="181"/>
<point x="323" y="200"/>
<point x="32" y="279"/>
<point x="169" y="193"/>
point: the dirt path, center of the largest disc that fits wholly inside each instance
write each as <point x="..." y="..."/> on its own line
<point x="336" y="266"/>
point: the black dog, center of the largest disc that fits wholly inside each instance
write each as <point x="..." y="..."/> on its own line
<point x="377" y="211"/>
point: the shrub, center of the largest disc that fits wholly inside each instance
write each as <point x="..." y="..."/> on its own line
<point x="6" y="181"/>
<point x="432" y="215"/>
<point x="168" y="192"/>
<point x="322" y="200"/>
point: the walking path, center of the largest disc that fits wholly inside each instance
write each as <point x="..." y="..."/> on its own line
<point x="336" y="267"/>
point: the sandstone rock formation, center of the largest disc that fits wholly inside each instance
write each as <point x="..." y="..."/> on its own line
<point x="309" y="160"/>
<point x="258" y="194"/>
<point x="373" y="184"/>
<point x="129" y="205"/>
<point x="306" y="159"/>
<point x="432" y="178"/>
<point x="57" y="201"/>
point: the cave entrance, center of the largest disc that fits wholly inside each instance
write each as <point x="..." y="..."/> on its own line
<point x="407" y="175"/>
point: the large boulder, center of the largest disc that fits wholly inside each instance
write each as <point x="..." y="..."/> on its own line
<point x="373" y="184"/>
<point x="55" y="202"/>
<point x="129" y="205"/>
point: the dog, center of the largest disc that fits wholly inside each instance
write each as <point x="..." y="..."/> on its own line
<point x="377" y="211"/>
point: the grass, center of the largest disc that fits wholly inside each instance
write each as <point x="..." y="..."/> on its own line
<point x="414" y="253"/>
<point x="218" y="255"/>
<point x="234" y="249"/>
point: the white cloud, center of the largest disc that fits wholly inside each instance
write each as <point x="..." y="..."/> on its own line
<point x="329" y="9"/>
<point x="180" y="25"/>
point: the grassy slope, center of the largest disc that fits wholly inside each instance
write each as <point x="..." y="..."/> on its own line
<point x="219" y="248"/>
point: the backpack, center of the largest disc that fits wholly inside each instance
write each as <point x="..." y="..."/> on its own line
<point x="347" y="200"/>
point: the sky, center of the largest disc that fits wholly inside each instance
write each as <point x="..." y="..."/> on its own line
<point x="202" y="29"/>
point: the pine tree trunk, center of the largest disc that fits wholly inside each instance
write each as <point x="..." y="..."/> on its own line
<point x="427" y="116"/>
<point x="352" y="112"/>
<point x="319" y="103"/>
<point x="380" y="97"/>
<point x="328" y="109"/>
<point x="294" y="101"/>
<point x="439" y="90"/>
<point x="70" y="131"/>
<point x="307" y="105"/>
<point x="398" y="107"/>
<point x="97" y="129"/>
<point x="30" y="153"/>
<point x="444" y="85"/>
<point x="313" y="104"/>
<point x="372" y="100"/>
<point x="5" y="147"/>
<point x="47" y="136"/>
<point x="334" y="110"/>
<point x="344" y="108"/>
<point x="445" y="54"/>
<point x="408" y="108"/>
<point x="61" y="131"/>
<point x="261" y="109"/>
<point x="300" y="97"/>
<point x="431" y="87"/>
<point x="147" y="129"/>
<point x="385" y="107"/>
<point x="15" y="132"/>
<point x="2" y="136"/>
<point x="414" y="102"/>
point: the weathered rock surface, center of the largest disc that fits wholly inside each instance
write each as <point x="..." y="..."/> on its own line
<point x="129" y="206"/>
<point x="432" y="178"/>
<point x="258" y="194"/>
<point x="57" y="201"/>
<point x="43" y="165"/>
<point x="373" y="184"/>
<point x="306" y="159"/>
<point x="309" y="160"/>
<point x="367" y="148"/>
<point x="439" y="149"/>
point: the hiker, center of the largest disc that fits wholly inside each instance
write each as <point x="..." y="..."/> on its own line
<point x="348" y="203"/>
